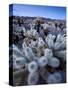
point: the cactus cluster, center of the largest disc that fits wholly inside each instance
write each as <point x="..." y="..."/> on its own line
<point x="38" y="59"/>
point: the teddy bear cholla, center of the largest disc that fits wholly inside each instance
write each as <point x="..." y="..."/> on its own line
<point x="28" y="60"/>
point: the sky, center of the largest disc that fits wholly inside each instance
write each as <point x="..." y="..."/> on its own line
<point x="52" y="12"/>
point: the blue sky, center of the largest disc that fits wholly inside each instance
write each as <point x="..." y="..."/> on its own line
<point x="37" y="10"/>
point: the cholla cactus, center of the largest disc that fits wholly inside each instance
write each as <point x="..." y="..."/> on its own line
<point x="54" y="78"/>
<point x="61" y="54"/>
<point x="45" y="26"/>
<point x="60" y="42"/>
<point x="48" y="53"/>
<point x="39" y="55"/>
<point x="33" y="43"/>
<point x="50" y="40"/>
<point x="40" y="42"/>
<point x="42" y="61"/>
<point x="33" y="78"/>
<point x="31" y="33"/>
<point x="28" y="53"/>
<point x="26" y="58"/>
<point x="32" y="67"/>
<point x="54" y="62"/>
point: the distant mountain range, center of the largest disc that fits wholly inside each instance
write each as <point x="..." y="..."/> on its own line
<point x="32" y="18"/>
